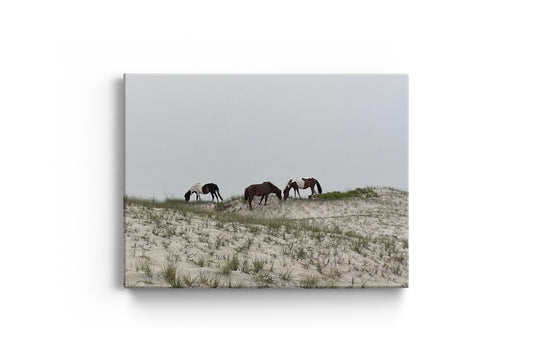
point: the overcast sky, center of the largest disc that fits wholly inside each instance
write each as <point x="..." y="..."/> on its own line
<point x="346" y="131"/>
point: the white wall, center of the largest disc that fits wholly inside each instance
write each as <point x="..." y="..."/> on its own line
<point x="470" y="175"/>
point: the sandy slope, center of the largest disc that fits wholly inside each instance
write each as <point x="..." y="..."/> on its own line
<point x="342" y="243"/>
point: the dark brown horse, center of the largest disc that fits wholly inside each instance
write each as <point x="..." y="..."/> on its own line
<point x="262" y="190"/>
<point x="301" y="183"/>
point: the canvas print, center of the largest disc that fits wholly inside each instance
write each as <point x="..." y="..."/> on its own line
<point x="266" y="181"/>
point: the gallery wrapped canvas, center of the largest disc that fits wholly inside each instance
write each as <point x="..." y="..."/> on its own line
<point x="266" y="181"/>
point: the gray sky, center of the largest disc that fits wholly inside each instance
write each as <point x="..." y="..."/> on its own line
<point x="346" y="131"/>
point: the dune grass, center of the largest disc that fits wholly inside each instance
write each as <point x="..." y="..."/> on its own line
<point x="198" y="208"/>
<point x="358" y="193"/>
<point x="223" y="217"/>
<point x="227" y="243"/>
<point x="358" y="242"/>
<point x="171" y="275"/>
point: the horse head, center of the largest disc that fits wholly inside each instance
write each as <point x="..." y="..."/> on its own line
<point x="278" y="193"/>
<point x="188" y="196"/>
<point x="286" y="193"/>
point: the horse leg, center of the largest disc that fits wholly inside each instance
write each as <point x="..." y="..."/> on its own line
<point x="312" y="192"/>
<point x="213" y="197"/>
<point x="298" y="190"/>
<point x="250" y="198"/>
<point x="266" y="198"/>
<point x="261" y="200"/>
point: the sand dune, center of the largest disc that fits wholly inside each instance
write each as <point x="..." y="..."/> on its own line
<point x="351" y="242"/>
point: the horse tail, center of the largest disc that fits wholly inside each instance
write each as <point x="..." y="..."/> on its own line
<point x="218" y="192"/>
<point x="246" y="194"/>
<point x="318" y="186"/>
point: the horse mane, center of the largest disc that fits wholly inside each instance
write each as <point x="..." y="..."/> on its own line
<point x="272" y="186"/>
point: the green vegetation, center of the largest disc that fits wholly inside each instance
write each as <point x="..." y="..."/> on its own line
<point x="252" y="222"/>
<point x="286" y="275"/>
<point x="309" y="281"/>
<point x="359" y="193"/>
<point x="198" y="208"/>
<point x="230" y="264"/>
<point x="189" y="281"/>
<point x="170" y="274"/>
<point x="258" y="264"/>
<point x="263" y="279"/>
<point x="234" y="262"/>
<point x="145" y="266"/>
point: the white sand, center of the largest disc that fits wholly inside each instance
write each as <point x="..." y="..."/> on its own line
<point x="342" y="243"/>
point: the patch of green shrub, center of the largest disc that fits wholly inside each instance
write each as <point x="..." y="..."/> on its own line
<point x="359" y="193"/>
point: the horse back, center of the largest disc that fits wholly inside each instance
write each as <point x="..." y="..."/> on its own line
<point x="210" y="187"/>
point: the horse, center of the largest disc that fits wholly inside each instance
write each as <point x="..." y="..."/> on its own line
<point x="301" y="183"/>
<point x="205" y="189"/>
<point x="262" y="190"/>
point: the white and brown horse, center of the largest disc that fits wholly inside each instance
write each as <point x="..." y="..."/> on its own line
<point x="205" y="189"/>
<point x="301" y="183"/>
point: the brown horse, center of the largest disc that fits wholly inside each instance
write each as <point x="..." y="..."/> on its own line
<point x="262" y="190"/>
<point x="301" y="183"/>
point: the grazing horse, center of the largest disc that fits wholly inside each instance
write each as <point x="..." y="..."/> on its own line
<point x="260" y="190"/>
<point x="205" y="189"/>
<point x="301" y="183"/>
